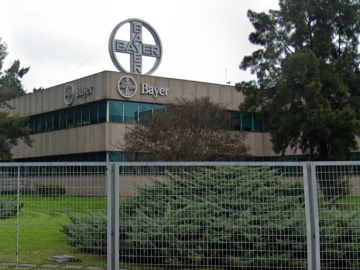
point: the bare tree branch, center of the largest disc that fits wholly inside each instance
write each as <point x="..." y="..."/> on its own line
<point x="188" y="130"/>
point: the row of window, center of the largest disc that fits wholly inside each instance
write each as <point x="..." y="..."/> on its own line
<point x="120" y="112"/>
<point x="131" y="112"/>
<point x="125" y="156"/>
<point x="88" y="114"/>
<point x="85" y="157"/>
<point x="246" y="121"/>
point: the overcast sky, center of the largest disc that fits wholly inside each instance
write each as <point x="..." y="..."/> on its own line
<point x="203" y="40"/>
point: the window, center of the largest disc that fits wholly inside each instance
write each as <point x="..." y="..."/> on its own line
<point x="102" y="111"/>
<point x="70" y="121"/>
<point x="235" y="121"/>
<point x="116" y="110"/>
<point x="258" y="123"/>
<point x="43" y="123"/>
<point x="56" y="120"/>
<point x="130" y="113"/>
<point x="49" y="122"/>
<point x="77" y="115"/>
<point x="85" y="115"/>
<point x="159" y="107"/>
<point x="115" y="156"/>
<point x="97" y="112"/>
<point x="38" y="124"/>
<point x="246" y="122"/>
<point x="121" y="156"/>
<point x="145" y="112"/>
<point x="31" y="124"/>
<point x="94" y="113"/>
<point x="62" y="120"/>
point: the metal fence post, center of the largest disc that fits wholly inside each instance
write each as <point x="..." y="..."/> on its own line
<point x="18" y="215"/>
<point x="312" y="217"/>
<point x="112" y="217"/>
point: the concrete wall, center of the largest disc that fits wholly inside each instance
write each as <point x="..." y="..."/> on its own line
<point x="83" y="139"/>
<point x="106" y="137"/>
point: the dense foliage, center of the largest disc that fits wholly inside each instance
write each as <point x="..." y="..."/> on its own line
<point x="88" y="233"/>
<point x="187" y="130"/>
<point x="226" y="217"/>
<point x="50" y="190"/>
<point x="11" y="127"/>
<point x="308" y="76"/>
<point x="9" y="208"/>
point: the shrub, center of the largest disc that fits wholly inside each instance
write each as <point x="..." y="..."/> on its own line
<point x="333" y="181"/>
<point x="23" y="191"/>
<point x="9" y="208"/>
<point x="228" y="217"/>
<point x="50" y="190"/>
<point x="88" y="232"/>
<point x="233" y="217"/>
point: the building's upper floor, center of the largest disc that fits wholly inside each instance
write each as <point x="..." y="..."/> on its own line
<point x="108" y="85"/>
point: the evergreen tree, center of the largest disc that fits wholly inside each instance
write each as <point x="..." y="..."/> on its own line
<point x="308" y="76"/>
<point x="224" y="217"/>
<point x="232" y="217"/>
<point x="11" y="127"/>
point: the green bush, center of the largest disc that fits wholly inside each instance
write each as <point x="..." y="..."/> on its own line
<point x="9" y="208"/>
<point x="50" y="190"/>
<point x="333" y="181"/>
<point x="233" y="217"/>
<point x="23" y="191"/>
<point x="88" y="233"/>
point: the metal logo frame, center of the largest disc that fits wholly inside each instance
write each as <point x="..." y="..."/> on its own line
<point x="127" y="87"/>
<point x="135" y="47"/>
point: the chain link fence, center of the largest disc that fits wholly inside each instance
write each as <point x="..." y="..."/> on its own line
<point x="37" y="201"/>
<point x="254" y="215"/>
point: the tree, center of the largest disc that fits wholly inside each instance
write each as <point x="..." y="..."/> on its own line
<point x="12" y="128"/>
<point x="187" y="130"/>
<point x="308" y="76"/>
<point x="38" y="89"/>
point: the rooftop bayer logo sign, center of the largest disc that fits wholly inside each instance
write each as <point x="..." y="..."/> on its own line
<point x="135" y="46"/>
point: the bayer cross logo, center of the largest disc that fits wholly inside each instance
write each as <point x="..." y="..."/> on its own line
<point x="127" y="87"/>
<point x="68" y="94"/>
<point x="135" y="47"/>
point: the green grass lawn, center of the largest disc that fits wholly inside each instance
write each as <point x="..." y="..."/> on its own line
<point x="350" y="200"/>
<point x="349" y="203"/>
<point x="38" y="229"/>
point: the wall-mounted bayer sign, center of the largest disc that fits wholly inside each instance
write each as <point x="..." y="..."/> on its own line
<point x="69" y="93"/>
<point x="135" y="46"/>
<point x="127" y="86"/>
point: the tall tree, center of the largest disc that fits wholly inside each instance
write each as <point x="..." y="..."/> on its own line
<point x="187" y="130"/>
<point x="308" y="76"/>
<point x="11" y="127"/>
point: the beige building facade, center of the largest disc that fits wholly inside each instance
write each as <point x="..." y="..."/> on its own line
<point x="84" y="119"/>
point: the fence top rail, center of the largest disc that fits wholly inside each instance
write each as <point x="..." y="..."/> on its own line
<point x="175" y="164"/>
<point x="212" y="163"/>
<point x="335" y="163"/>
<point x="54" y="164"/>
